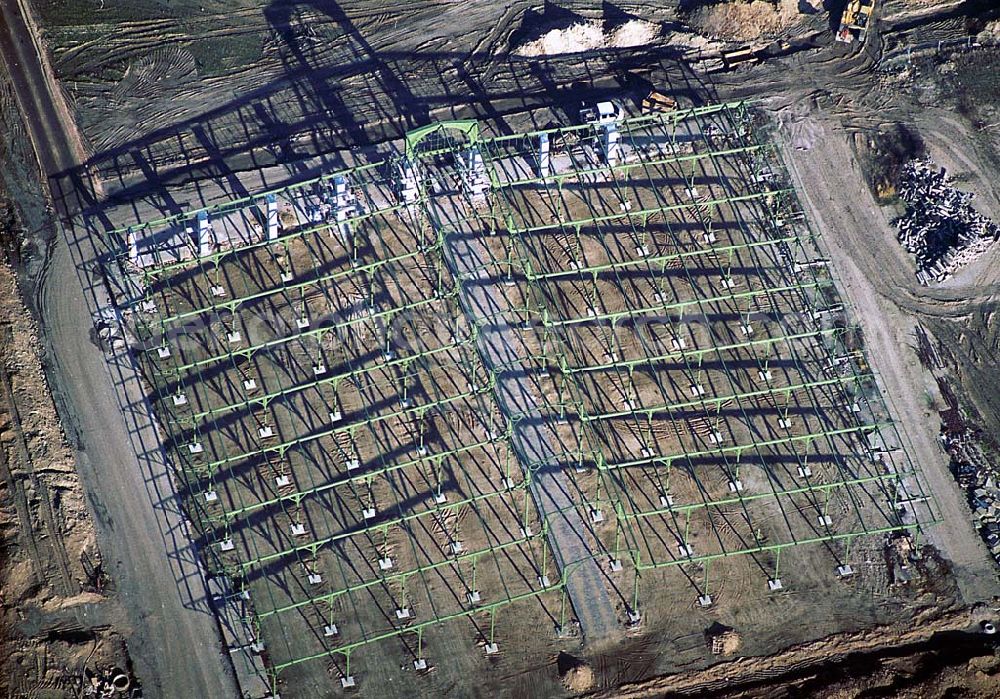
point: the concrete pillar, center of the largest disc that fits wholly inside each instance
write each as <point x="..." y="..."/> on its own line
<point x="340" y="191"/>
<point x="611" y="143"/>
<point x="133" y="246"/>
<point x="272" y="217"/>
<point x="206" y="245"/>
<point x="407" y="184"/>
<point x="340" y="215"/>
<point x="474" y="177"/>
<point x="544" y="166"/>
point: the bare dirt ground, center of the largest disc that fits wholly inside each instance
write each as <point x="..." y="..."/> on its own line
<point x="934" y="657"/>
<point x="60" y="628"/>
<point x="173" y="95"/>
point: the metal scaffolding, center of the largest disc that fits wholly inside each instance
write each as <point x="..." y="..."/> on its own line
<point x="338" y="406"/>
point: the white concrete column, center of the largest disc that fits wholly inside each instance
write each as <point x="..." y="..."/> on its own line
<point x="272" y="217"/>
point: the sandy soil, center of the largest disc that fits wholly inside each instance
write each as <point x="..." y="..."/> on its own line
<point x="51" y="569"/>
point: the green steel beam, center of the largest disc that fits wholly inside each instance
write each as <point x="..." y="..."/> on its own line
<point x="617" y="316"/>
<point x="413" y="628"/>
<point x="652" y="260"/>
<point x="645" y="213"/>
<point x="313" y="546"/>
<point x="242" y="203"/>
<point x="335" y="277"/>
<point x="717" y="400"/>
<point x="469" y="127"/>
<point x="788" y="492"/>
<point x="559" y="178"/>
<point x="229" y="516"/>
<point x="663" y="117"/>
<point x="318" y="333"/>
<point x="775" y="547"/>
<point x="401" y="575"/>
<point x="264" y="400"/>
<point x="216" y="257"/>
<point x="740" y="448"/>
<point x="281" y="448"/>
<point x="630" y="364"/>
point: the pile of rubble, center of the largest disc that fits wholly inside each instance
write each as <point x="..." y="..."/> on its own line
<point x="940" y="228"/>
<point x="979" y="477"/>
<point x="108" y="683"/>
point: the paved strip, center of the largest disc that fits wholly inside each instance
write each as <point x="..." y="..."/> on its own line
<point x="534" y="438"/>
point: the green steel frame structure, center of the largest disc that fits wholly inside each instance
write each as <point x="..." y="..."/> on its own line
<point x="335" y="427"/>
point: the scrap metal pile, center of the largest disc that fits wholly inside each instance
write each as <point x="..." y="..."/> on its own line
<point x="979" y="476"/>
<point x="940" y="227"/>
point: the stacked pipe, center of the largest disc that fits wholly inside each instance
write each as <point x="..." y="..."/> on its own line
<point x="940" y="228"/>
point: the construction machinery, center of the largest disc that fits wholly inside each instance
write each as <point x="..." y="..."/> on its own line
<point x="601" y="113"/>
<point x="855" y="20"/>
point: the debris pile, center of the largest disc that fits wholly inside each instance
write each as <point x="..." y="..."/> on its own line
<point x="723" y="640"/>
<point x="940" y="227"/>
<point x="590" y="36"/>
<point x="576" y="675"/>
<point x="107" y="684"/>
<point x="738" y="20"/>
<point x="977" y="475"/>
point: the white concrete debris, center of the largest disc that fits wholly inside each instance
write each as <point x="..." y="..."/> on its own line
<point x="940" y="228"/>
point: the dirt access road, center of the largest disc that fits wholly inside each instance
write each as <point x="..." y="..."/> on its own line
<point x="174" y="638"/>
<point x="846" y="224"/>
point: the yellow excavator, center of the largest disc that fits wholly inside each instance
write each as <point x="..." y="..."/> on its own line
<point x="855" y="20"/>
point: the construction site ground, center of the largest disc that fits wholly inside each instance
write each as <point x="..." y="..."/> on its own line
<point x="150" y="112"/>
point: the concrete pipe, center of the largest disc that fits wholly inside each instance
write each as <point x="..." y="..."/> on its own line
<point x="120" y="681"/>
